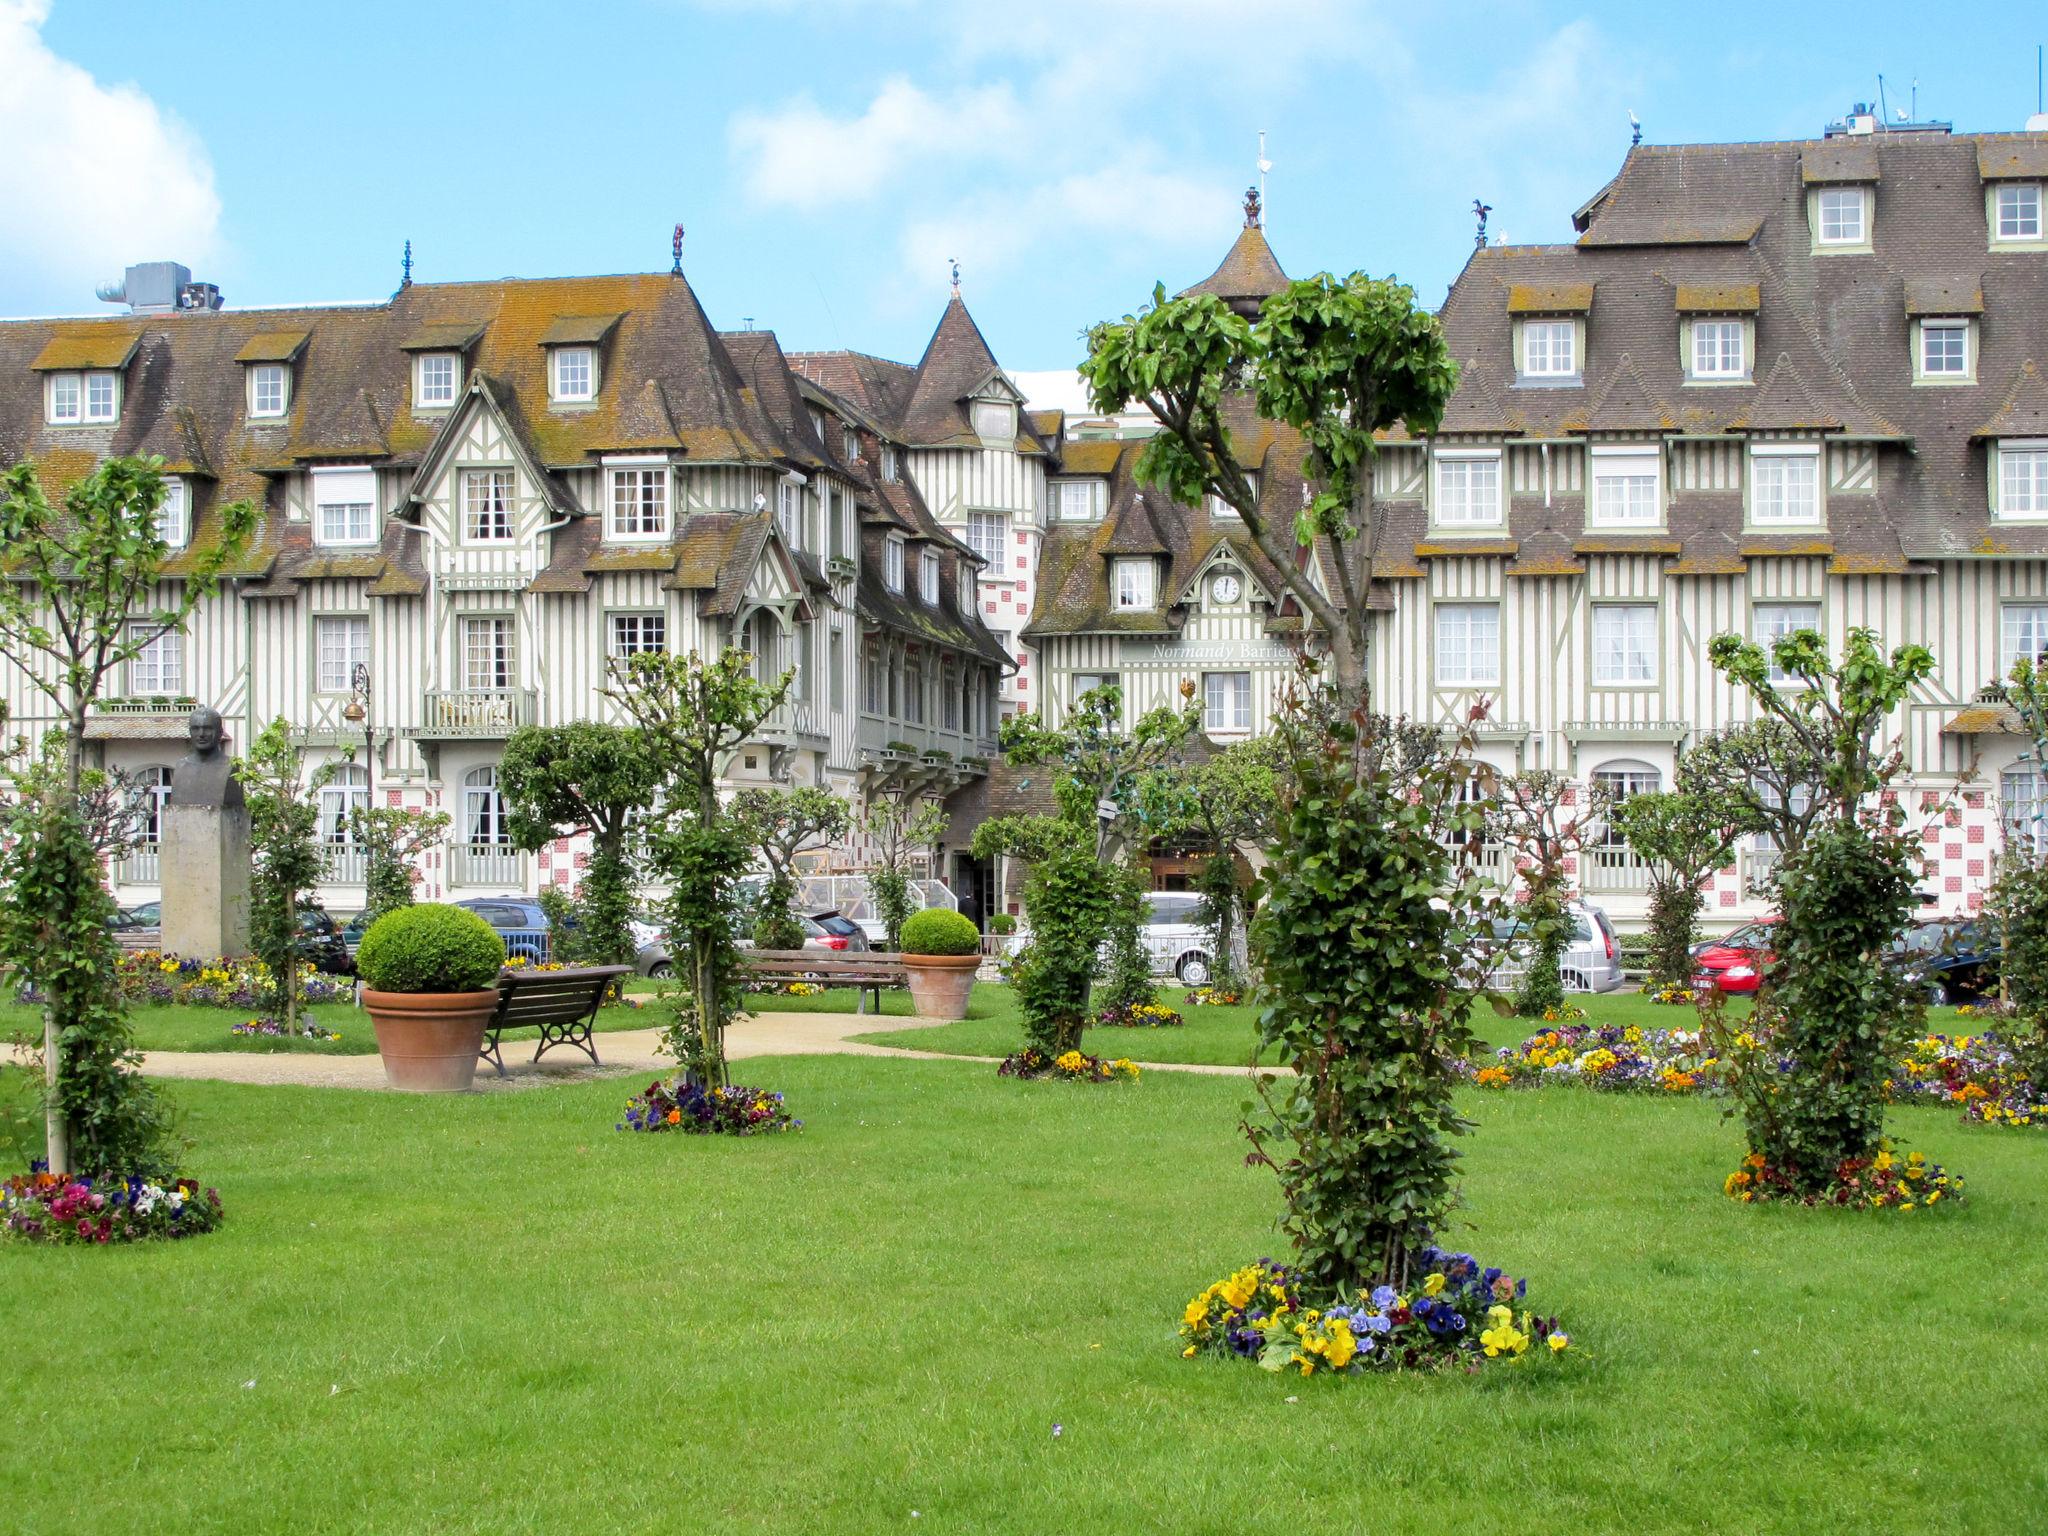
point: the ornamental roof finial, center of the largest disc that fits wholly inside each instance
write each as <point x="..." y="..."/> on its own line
<point x="676" y="246"/>
<point x="1251" y="207"/>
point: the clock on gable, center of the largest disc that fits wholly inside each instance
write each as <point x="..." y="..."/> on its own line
<point x="1226" y="587"/>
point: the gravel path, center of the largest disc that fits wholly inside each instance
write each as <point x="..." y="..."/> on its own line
<point x="629" y="1052"/>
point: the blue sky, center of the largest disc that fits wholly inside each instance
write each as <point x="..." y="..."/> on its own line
<point x="829" y="156"/>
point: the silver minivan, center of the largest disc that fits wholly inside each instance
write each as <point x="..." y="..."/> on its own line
<point x="1176" y="939"/>
<point x="1592" y="957"/>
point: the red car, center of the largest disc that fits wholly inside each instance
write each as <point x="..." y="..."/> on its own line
<point x="1735" y="963"/>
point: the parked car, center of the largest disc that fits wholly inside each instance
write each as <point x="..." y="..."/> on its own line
<point x="1176" y="939"/>
<point x="1956" y="960"/>
<point x="1735" y="962"/>
<point x="1592" y="957"/>
<point x="839" y="925"/>
<point x="520" y="923"/>
<point x="826" y="932"/>
<point x="320" y="937"/>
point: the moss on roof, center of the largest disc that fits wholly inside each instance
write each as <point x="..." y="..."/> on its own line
<point x="102" y="346"/>
<point x="1549" y="298"/>
<point x="272" y="347"/>
<point x="1719" y="298"/>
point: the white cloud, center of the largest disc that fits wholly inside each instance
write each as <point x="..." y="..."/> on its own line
<point x="95" y="176"/>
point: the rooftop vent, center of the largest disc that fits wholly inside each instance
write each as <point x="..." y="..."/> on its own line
<point x="1863" y="118"/>
<point x="160" y="288"/>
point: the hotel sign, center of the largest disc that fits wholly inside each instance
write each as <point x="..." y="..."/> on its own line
<point x="1243" y="652"/>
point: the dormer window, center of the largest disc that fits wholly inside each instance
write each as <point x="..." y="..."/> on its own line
<point x="849" y="444"/>
<point x="1550" y="349"/>
<point x="1627" y="487"/>
<point x="889" y="468"/>
<point x="572" y="373"/>
<point x="345" y="506"/>
<point x="928" y="575"/>
<point x="1074" y="500"/>
<point x="1841" y="218"/>
<point x="269" y="390"/>
<point x="892" y="564"/>
<point x="2016" y="213"/>
<point x="1944" y="353"/>
<point x="639" y="502"/>
<point x="82" y="399"/>
<point x="1219" y="508"/>
<point x="434" y="376"/>
<point x="1784" y="484"/>
<point x="995" y="421"/>
<point x="1468" y="488"/>
<point x="2021" y="481"/>
<point x="817" y="416"/>
<point x="963" y="587"/>
<point x="1134" y="584"/>
<point x="173" y="521"/>
<point x="1720" y="350"/>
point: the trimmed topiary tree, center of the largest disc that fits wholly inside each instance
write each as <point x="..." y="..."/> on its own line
<point x="939" y="931"/>
<point x="430" y="947"/>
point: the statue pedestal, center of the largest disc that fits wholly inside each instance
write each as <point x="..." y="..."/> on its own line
<point x="205" y="870"/>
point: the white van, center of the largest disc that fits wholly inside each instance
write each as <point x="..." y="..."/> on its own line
<point x="1591" y="960"/>
<point x="1176" y="939"/>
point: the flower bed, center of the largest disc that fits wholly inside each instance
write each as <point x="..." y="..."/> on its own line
<point x="1458" y="1316"/>
<point x="44" y="1207"/>
<point x="1670" y="994"/>
<point x="1139" y="1016"/>
<point x="151" y="976"/>
<point x="271" y="1029"/>
<point x="1630" y="1059"/>
<point x="687" y="1106"/>
<point x="1072" y="1067"/>
<point x="1881" y="1183"/>
<point x="1214" y="997"/>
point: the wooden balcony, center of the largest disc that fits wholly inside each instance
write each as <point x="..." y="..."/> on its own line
<point x="476" y="714"/>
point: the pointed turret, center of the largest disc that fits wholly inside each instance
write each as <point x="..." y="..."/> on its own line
<point x="1250" y="274"/>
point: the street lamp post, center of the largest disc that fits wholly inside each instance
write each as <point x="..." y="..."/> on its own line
<point x="357" y="712"/>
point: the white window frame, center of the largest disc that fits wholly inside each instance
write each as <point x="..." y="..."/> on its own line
<point x="1466" y="645"/>
<point x="637" y="477"/>
<point x="341" y="643"/>
<point x="157" y="670"/>
<point x="1460" y="464"/>
<point x="341" y="796"/>
<point x="1771" y="622"/>
<point x="2022" y="632"/>
<point x="988" y="535"/>
<point x="1074" y="501"/>
<point x="481" y="653"/>
<point x="1777" y="455"/>
<point x="476" y="509"/>
<point x="928" y="575"/>
<point x="628" y="633"/>
<point x="2022" y="801"/>
<point x="572" y="385"/>
<point x="485" y="823"/>
<point x="2011" y="452"/>
<point x="174" y="517"/>
<point x="106" y="409"/>
<point x="1624" y="645"/>
<point x="1550" y="330"/>
<point x="330" y="495"/>
<point x="1006" y="423"/>
<point x="1226" y="702"/>
<point x="1136" y="584"/>
<point x="1842" y="239"/>
<point x="64" y="399"/>
<point x="892" y="469"/>
<point x="1929" y="328"/>
<point x="1627" y="468"/>
<point x="426" y="385"/>
<point x="892" y="564"/>
<point x="2021" y="191"/>
<point x="1719" y="327"/>
<point x="264" y="404"/>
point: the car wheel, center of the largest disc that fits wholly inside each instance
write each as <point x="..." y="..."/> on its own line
<point x="1193" y="970"/>
<point x="661" y="970"/>
<point x="1939" y="995"/>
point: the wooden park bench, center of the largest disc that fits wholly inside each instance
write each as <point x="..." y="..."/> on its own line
<point x="562" y="1003"/>
<point x="864" y="972"/>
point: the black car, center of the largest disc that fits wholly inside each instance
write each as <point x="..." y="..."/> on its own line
<point x="1957" y="960"/>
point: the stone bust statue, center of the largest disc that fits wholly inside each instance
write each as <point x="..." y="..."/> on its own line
<point x="204" y="778"/>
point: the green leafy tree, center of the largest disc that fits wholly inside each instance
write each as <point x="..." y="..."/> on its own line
<point x="1070" y="895"/>
<point x="1369" y="934"/>
<point x="1335" y="360"/>
<point x="896" y="829"/>
<point x="1219" y="803"/>
<point x="1100" y="772"/>
<point x="585" y="778"/>
<point x="781" y="825"/>
<point x="1765" y="772"/>
<point x="2019" y="897"/>
<point x="284" y="837"/>
<point x="696" y="714"/>
<point x="1544" y="820"/>
<point x="393" y="838"/>
<point x="86" y="589"/>
<point x="1832" y="1004"/>
<point x="1685" y="835"/>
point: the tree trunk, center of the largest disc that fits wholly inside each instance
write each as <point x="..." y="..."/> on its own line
<point x="56" y="1130"/>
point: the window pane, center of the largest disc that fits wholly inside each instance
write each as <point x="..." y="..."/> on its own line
<point x="1625" y="643"/>
<point x="2022" y="482"/>
<point x="1944" y="349"/>
<point x="987" y="535"/>
<point x="1468" y="491"/>
<point x="99" y="397"/>
<point x="487" y="657"/>
<point x="1467" y="643"/>
<point x="2019" y="212"/>
<point x="1841" y="217"/>
<point x="341" y="644"/>
<point x="1625" y="489"/>
<point x="66" y="397"/>
<point x="639" y="502"/>
<point x="1785" y="488"/>
<point x="487" y="505"/>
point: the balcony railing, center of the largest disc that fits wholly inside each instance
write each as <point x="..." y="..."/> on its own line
<point x="1758" y="865"/>
<point x="345" y="863"/>
<point x="142" y="866"/>
<point x="480" y="713"/>
<point x="1614" y="867"/>
<point x="795" y="721"/>
<point x="498" y="865"/>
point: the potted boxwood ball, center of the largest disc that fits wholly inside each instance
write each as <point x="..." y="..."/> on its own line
<point x="941" y="952"/>
<point x="430" y="983"/>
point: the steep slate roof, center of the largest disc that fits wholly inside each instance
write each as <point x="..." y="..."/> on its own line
<point x="1249" y="273"/>
<point x="1832" y="350"/>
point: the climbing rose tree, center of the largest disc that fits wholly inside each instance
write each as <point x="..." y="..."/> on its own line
<point x="590" y="779"/>
<point x="696" y="714"/>
<point x="780" y="825"/>
<point x="1220" y="803"/>
<point x="1832" y="1006"/>
<point x="1543" y="820"/>
<point x="88" y="583"/>
<point x="1684" y="836"/>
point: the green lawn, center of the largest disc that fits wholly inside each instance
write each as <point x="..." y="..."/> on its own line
<point x="493" y="1314"/>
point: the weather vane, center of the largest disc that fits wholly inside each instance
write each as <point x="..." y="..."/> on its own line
<point x="1635" y="130"/>
<point x="676" y="245"/>
<point x="1251" y="207"/>
<point x="955" y="260"/>
<point x="1482" y="210"/>
<point x="406" y="280"/>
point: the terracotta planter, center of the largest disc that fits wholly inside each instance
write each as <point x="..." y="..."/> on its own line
<point x="430" y="1040"/>
<point x="940" y="984"/>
